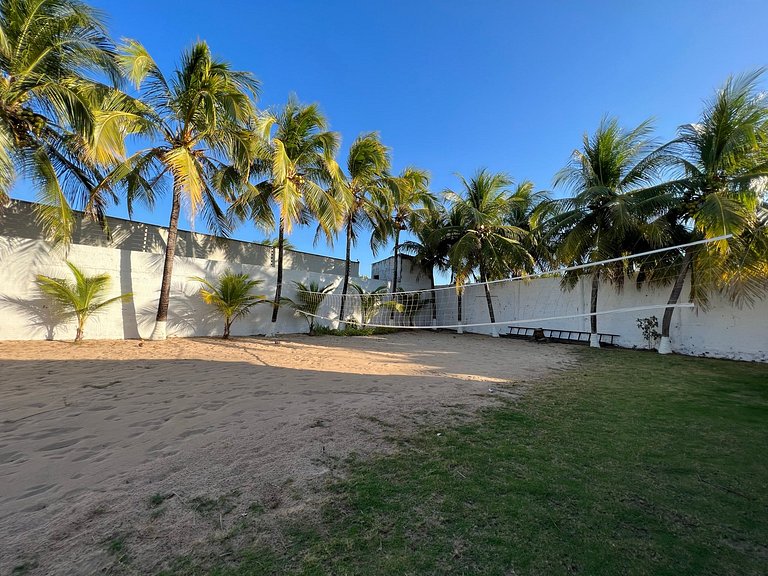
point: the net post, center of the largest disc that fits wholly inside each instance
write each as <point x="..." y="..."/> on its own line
<point x="460" y="329"/>
<point x="594" y="340"/>
<point x="494" y="331"/>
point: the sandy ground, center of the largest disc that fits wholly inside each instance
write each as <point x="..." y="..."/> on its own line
<point x="221" y="432"/>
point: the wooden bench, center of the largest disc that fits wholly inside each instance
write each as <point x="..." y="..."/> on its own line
<point x="557" y="335"/>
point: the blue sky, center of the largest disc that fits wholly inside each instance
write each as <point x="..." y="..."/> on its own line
<point x="455" y="85"/>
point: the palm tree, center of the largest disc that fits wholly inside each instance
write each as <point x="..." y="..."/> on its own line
<point x="370" y="302"/>
<point x="308" y="300"/>
<point x="614" y="208"/>
<point x="199" y="116"/>
<point x="407" y="196"/>
<point x="297" y="171"/>
<point x="483" y="244"/>
<point x="232" y="296"/>
<point x="275" y="243"/>
<point x="362" y="188"/>
<point x="430" y="247"/>
<point x="408" y="304"/>
<point x="58" y="125"/>
<point x="722" y="162"/>
<point x="80" y="299"/>
<point x="528" y="211"/>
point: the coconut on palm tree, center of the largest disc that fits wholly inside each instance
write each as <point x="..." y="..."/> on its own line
<point x="295" y="171"/>
<point x="363" y="188"/>
<point x="232" y="295"/>
<point x="80" y="299"/>
<point x="483" y="244"/>
<point x="59" y="125"/>
<point x="722" y="163"/>
<point x="198" y="117"/>
<point x="614" y="208"/>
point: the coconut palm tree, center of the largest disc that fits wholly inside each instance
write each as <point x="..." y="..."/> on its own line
<point x="371" y="302"/>
<point x="407" y="197"/>
<point x="408" y="304"/>
<point x="363" y="188"/>
<point x="308" y="300"/>
<point x="232" y="295"/>
<point x="275" y="243"/>
<point x="484" y="245"/>
<point x="430" y="247"/>
<point x="199" y="116"/>
<point x="614" y="208"/>
<point x="528" y="211"/>
<point x="80" y="299"/>
<point x="59" y="126"/>
<point x="722" y="163"/>
<point x="297" y="176"/>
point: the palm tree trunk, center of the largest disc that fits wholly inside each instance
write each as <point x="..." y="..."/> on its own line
<point x="665" y="346"/>
<point x="227" y="325"/>
<point x="489" y="302"/>
<point x="80" y="329"/>
<point x="279" y="285"/>
<point x="594" y="339"/>
<point x="161" y="321"/>
<point x="434" y="295"/>
<point x="458" y="311"/>
<point x="345" y="284"/>
<point x="394" y="268"/>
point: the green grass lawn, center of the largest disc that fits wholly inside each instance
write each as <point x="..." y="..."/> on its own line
<point x="632" y="463"/>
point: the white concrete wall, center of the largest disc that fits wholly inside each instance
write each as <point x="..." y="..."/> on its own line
<point x="19" y="220"/>
<point x="409" y="277"/>
<point x="26" y="315"/>
<point x="721" y="330"/>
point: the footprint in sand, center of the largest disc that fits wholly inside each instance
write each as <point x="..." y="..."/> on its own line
<point x="50" y="432"/>
<point x="12" y="458"/>
<point x="192" y="432"/>
<point x="60" y="444"/>
<point x="35" y="490"/>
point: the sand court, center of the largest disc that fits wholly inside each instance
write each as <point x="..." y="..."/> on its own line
<point x="90" y="432"/>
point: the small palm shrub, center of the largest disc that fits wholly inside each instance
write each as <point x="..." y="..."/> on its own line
<point x="308" y="300"/>
<point x="79" y="299"/>
<point x="232" y="295"/>
<point x="409" y="303"/>
<point x="372" y="302"/>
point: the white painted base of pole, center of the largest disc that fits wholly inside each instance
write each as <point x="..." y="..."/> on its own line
<point x="460" y="329"/>
<point x="665" y="346"/>
<point x="160" y="332"/>
<point x="434" y="323"/>
<point x="494" y="331"/>
<point x="594" y="340"/>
